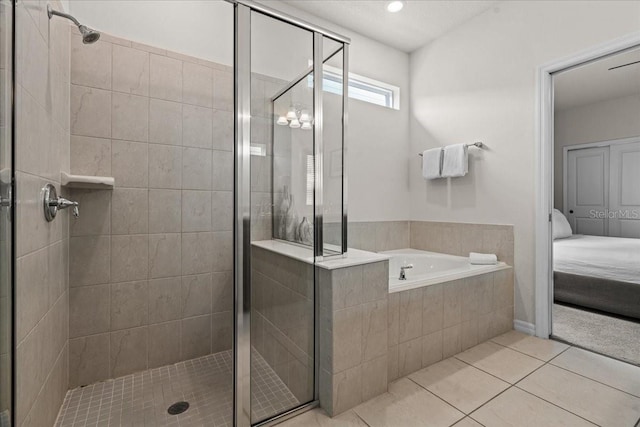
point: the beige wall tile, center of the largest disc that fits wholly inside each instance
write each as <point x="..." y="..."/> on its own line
<point x="130" y="211"/>
<point x="163" y="344"/>
<point x="165" y="255"/>
<point x="32" y="292"/>
<point x="431" y="348"/>
<point x="165" y="300"/>
<point x="129" y="257"/>
<point x="222" y="210"/>
<point x="451" y="344"/>
<point x="196" y="253"/>
<point x="223" y="90"/>
<point x="90" y="64"/>
<point x="129" y="305"/>
<point x="165" y="167"/>
<point x="222" y="171"/>
<point x="196" y="169"/>
<point x="165" y="81"/>
<point x="129" y="117"/>
<point x="374" y="330"/>
<point x="410" y="323"/>
<point x="503" y="292"/>
<point x="409" y="356"/>
<point x="347" y="287"/>
<point x="452" y="302"/>
<point x="90" y="156"/>
<point x="347" y="389"/>
<point x="374" y="377"/>
<point x="128" y="351"/>
<point x="468" y="334"/>
<point x="222" y="130"/>
<point x="197" y="126"/>
<point x="89" y="311"/>
<point x="392" y="364"/>
<point x="129" y="163"/>
<point x="95" y="210"/>
<point x="165" y="122"/>
<point x="130" y="70"/>
<point x="89" y="357"/>
<point x="375" y="283"/>
<point x="347" y="341"/>
<point x="196" y="295"/>
<point x="197" y="85"/>
<point x="222" y="292"/>
<point x="196" y="337"/>
<point x="221" y="331"/>
<point x="222" y="251"/>
<point x="165" y="211"/>
<point x="89" y="260"/>
<point x="393" y="320"/>
<point x="432" y="308"/>
<point x="90" y="112"/>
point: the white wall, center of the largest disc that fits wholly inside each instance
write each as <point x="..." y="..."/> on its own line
<point x="378" y="138"/>
<point x="478" y="82"/>
<point x="602" y="121"/>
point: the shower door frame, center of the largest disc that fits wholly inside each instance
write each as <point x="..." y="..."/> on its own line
<point x="242" y="197"/>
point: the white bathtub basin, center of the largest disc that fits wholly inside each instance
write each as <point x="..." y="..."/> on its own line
<point x="430" y="268"/>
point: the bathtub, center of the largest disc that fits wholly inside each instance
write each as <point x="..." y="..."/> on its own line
<point x="430" y="268"/>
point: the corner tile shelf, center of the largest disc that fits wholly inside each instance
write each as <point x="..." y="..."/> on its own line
<point x="87" y="182"/>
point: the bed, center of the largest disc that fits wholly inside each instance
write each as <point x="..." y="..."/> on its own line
<point x="601" y="273"/>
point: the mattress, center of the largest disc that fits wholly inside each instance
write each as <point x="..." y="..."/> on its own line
<point x="610" y="258"/>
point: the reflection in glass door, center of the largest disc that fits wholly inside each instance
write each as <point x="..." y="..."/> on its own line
<point x="6" y="288"/>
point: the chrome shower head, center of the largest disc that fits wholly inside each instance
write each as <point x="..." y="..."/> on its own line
<point x="88" y="35"/>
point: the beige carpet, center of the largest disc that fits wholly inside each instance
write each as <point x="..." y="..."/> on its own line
<point x="612" y="336"/>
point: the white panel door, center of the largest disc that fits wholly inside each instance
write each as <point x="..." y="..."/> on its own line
<point x="588" y="190"/>
<point x="624" y="217"/>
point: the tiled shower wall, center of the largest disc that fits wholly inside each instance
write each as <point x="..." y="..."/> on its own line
<point x="42" y="151"/>
<point x="150" y="261"/>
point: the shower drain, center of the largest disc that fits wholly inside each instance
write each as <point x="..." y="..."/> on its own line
<point x="178" y="408"/>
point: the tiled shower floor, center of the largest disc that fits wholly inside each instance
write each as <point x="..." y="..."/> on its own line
<point x="142" y="399"/>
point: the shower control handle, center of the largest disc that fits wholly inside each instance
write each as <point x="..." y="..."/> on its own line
<point x="53" y="203"/>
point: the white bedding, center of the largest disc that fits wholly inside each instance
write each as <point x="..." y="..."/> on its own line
<point x="612" y="258"/>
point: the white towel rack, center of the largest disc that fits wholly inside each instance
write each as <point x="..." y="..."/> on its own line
<point x="475" y="144"/>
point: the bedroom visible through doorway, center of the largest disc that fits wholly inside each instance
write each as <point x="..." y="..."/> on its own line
<point x="596" y="216"/>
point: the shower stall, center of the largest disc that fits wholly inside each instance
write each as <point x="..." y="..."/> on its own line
<point x="186" y="291"/>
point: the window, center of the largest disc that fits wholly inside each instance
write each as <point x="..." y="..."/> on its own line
<point x="360" y="88"/>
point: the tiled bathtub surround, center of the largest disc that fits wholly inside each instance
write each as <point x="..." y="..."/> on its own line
<point x="150" y="261"/>
<point x="353" y="335"/>
<point x="369" y="338"/>
<point x="282" y="323"/>
<point x="434" y="322"/>
<point x="42" y="151"/>
<point x="457" y="238"/>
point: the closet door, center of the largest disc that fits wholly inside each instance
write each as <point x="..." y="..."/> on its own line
<point x="624" y="208"/>
<point x="587" y="193"/>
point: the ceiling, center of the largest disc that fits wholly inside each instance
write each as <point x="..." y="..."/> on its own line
<point x="418" y="23"/>
<point x="594" y="82"/>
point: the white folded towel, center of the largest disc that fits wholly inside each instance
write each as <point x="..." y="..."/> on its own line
<point x="455" y="161"/>
<point x="432" y="163"/>
<point x="482" y="259"/>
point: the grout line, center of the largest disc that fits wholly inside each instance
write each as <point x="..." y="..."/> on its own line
<point x="594" y="380"/>
<point x="433" y="394"/>
<point x="555" y="404"/>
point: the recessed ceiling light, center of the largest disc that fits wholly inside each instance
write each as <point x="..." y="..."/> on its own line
<point x="395" y="6"/>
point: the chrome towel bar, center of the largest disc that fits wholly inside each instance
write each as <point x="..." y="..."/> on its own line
<point x="475" y="144"/>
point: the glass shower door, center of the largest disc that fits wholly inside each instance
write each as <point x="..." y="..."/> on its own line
<point x="282" y="211"/>
<point x="6" y="289"/>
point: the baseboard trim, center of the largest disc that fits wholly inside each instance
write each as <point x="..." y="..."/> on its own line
<point x="524" y="327"/>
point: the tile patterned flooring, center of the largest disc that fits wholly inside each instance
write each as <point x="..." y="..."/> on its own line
<point x="512" y="380"/>
<point x="142" y="399"/>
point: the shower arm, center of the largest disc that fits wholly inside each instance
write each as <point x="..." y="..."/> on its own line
<point x="51" y="12"/>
